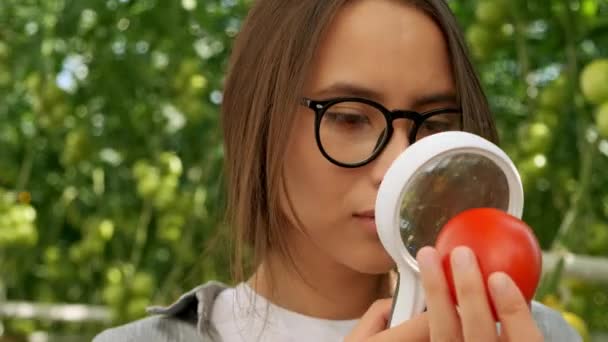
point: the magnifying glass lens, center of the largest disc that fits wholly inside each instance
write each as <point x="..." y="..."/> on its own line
<point x="445" y="187"/>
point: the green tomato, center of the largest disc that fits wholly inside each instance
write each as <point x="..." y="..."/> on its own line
<point x="492" y="13"/>
<point x="23" y="213"/>
<point x="148" y="184"/>
<point x="141" y="168"/>
<point x="480" y="40"/>
<point x="192" y="107"/>
<point x="198" y="82"/>
<point x="76" y="253"/>
<point x="51" y="255"/>
<point x="535" y="137"/>
<point x="170" y="227"/>
<point x="30" y="235"/>
<point x="106" y="229"/>
<point x="166" y="191"/>
<point x="57" y="115"/>
<point x="189" y="66"/>
<point x="114" y="275"/>
<point x="33" y="81"/>
<point x="554" y="96"/>
<point x="601" y="119"/>
<point x="531" y="169"/>
<point x="136" y="307"/>
<point x="597" y="238"/>
<point x="171" y="163"/>
<point x="77" y="147"/>
<point x="113" y="294"/>
<point x="594" y="81"/>
<point x="51" y="94"/>
<point x="142" y="284"/>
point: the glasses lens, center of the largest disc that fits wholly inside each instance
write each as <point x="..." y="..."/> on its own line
<point x="444" y="122"/>
<point x="350" y="132"/>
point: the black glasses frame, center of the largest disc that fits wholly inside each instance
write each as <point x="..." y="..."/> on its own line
<point x="320" y="107"/>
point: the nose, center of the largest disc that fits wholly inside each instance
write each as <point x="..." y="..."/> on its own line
<point x="397" y="144"/>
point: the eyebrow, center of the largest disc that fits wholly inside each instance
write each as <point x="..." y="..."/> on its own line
<point x="435" y="98"/>
<point x="349" y="89"/>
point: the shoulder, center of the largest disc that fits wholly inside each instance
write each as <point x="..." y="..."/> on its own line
<point x="553" y="325"/>
<point x="151" y="329"/>
<point x="187" y="319"/>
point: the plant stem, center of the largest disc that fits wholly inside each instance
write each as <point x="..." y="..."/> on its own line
<point x="141" y="234"/>
<point x="587" y="150"/>
<point x="26" y="169"/>
<point x="523" y="55"/>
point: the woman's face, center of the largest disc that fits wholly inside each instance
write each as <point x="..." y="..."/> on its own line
<point x="385" y="51"/>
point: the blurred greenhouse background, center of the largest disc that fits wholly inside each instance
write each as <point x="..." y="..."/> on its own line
<point x="110" y="152"/>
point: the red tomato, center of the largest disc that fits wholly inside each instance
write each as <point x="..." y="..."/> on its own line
<point x="500" y="241"/>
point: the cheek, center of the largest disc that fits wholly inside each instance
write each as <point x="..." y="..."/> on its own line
<point x="316" y="187"/>
<point x="323" y="197"/>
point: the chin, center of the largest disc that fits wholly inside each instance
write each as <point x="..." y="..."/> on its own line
<point x="372" y="263"/>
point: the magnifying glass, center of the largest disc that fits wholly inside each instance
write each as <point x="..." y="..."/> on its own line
<point x="433" y="180"/>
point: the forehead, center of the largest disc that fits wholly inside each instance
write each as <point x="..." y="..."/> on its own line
<point x="390" y="47"/>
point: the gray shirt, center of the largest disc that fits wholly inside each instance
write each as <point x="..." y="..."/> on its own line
<point x="189" y="319"/>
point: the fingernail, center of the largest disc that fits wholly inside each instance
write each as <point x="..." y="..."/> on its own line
<point x="462" y="258"/>
<point x="500" y="284"/>
<point x="425" y="258"/>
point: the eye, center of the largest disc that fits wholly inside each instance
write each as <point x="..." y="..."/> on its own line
<point x="438" y="123"/>
<point x="347" y="119"/>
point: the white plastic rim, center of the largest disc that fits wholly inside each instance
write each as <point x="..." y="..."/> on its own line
<point x="410" y="299"/>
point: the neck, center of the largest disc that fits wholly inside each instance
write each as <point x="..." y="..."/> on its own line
<point x="317" y="286"/>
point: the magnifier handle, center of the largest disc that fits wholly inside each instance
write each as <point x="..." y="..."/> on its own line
<point x="408" y="300"/>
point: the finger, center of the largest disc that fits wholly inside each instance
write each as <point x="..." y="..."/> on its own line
<point x="475" y="314"/>
<point x="517" y="323"/>
<point x="443" y="318"/>
<point x="372" y="322"/>
<point x="415" y="330"/>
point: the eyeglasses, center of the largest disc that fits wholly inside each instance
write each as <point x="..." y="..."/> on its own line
<point x="352" y="132"/>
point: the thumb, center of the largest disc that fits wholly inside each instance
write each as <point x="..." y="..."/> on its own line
<point x="372" y="322"/>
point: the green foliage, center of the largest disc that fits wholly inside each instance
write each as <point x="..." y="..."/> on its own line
<point x="110" y="171"/>
<point x="110" y="163"/>
<point x="543" y="64"/>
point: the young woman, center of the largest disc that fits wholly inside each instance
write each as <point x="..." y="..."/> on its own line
<point x="310" y="88"/>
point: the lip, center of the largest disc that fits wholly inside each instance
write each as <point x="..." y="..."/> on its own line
<point x="368" y="220"/>
<point x="366" y="214"/>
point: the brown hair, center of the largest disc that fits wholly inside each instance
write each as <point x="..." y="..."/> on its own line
<point x="269" y="65"/>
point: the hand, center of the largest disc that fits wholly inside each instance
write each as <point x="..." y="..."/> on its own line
<point x="372" y="326"/>
<point x="473" y="321"/>
<point x="442" y="322"/>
